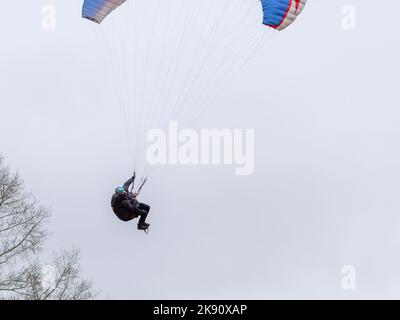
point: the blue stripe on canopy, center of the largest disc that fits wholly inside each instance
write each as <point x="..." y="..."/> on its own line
<point x="274" y="11"/>
<point x="97" y="10"/>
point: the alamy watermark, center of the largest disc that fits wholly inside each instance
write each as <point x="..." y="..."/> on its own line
<point x="349" y="277"/>
<point x="49" y="17"/>
<point x="349" y="19"/>
<point x="48" y="278"/>
<point x="203" y="147"/>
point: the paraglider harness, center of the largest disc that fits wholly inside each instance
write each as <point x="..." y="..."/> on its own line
<point x="122" y="194"/>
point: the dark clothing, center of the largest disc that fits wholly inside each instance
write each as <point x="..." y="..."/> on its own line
<point x="143" y="206"/>
<point x="127" y="208"/>
<point x="144" y="211"/>
<point x="123" y="208"/>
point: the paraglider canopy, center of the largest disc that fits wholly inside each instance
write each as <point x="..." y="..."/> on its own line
<point x="278" y="14"/>
<point x="97" y="10"/>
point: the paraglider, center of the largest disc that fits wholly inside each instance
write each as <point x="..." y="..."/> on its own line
<point x="278" y="14"/>
<point x="169" y="59"/>
<point x="126" y="206"/>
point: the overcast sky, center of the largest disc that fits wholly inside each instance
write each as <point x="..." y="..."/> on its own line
<point x="324" y="103"/>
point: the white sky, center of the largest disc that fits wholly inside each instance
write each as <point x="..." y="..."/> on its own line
<point x="324" y="103"/>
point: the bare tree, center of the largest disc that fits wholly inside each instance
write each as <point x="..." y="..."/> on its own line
<point x="22" y="235"/>
<point x="21" y="220"/>
<point x="61" y="280"/>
